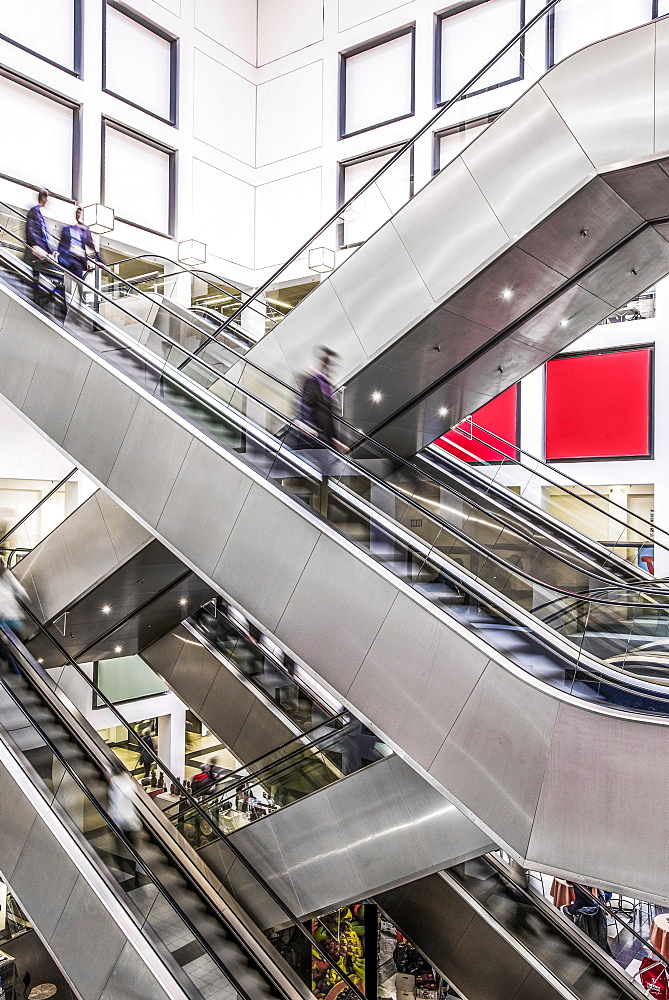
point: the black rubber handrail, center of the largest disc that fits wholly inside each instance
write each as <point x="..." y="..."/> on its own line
<point x="404" y="148"/>
<point x="39" y="503"/>
<point x="195" y="804"/>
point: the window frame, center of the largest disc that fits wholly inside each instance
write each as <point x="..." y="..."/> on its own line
<point x="341" y="184"/>
<point x="76" y="69"/>
<point x="650" y="347"/>
<point x="174" y="62"/>
<point x="655" y="14"/>
<point x="438" y="99"/>
<point x="486" y="119"/>
<point x="75" y="192"/>
<point x="148" y="141"/>
<point x="550" y="31"/>
<point x="373" y="43"/>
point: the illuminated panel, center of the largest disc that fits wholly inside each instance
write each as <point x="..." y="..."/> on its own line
<point x="598" y="405"/>
<point x="500" y="416"/>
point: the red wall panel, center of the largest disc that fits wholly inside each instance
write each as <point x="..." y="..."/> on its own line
<point x="598" y="405"/>
<point x="500" y="416"/>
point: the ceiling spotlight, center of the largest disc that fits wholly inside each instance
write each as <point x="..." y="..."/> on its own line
<point x="183" y="601"/>
<point x="565" y="322"/>
<point x="118" y="649"/>
<point x="377" y="396"/>
<point x="507" y="293"/>
<point x="40" y="661"/>
<point x="106" y="609"/>
<point x="443" y="410"/>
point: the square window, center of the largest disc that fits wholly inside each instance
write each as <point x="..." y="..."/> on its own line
<point x="53" y="33"/>
<point x="377" y="83"/>
<point x="660" y="8"/>
<point x="450" y="142"/>
<point x="577" y="23"/>
<point x="138" y="179"/>
<point x="598" y="405"/>
<point x="380" y="202"/>
<point x="139" y="63"/>
<point x="468" y="38"/>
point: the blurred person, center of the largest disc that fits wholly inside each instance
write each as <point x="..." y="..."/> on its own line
<point x="40" y="242"/>
<point x="146" y="759"/>
<point x="318" y="402"/>
<point x="588" y="915"/>
<point x="12" y="614"/>
<point x="77" y="252"/>
<point x="122" y="804"/>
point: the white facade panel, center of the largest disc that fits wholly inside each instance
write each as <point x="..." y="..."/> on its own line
<point x="382" y="200"/>
<point x="231" y="23"/>
<point x="224" y="108"/>
<point x="287" y="212"/>
<point x="352" y="12"/>
<point x="223" y="209"/>
<point x="42" y="156"/>
<point x="137" y="63"/>
<point x="290" y="114"/>
<point x="580" y="22"/>
<point x="48" y="31"/>
<point x="472" y="37"/>
<point x="286" y="26"/>
<point x="378" y="84"/>
<point x="137" y="181"/>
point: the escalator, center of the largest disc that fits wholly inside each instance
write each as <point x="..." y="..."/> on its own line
<point x="493" y="268"/>
<point x="295" y="534"/>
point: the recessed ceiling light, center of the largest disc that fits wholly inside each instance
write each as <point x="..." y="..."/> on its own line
<point x="106" y="609"/>
<point x="377" y="396"/>
<point x="183" y="601"/>
<point x="118" y="649"/>
<point x="443" y="410"/>
<point x="40" y="661"/>
<point x="565" y="322"/>
<point x="507" y="293"/>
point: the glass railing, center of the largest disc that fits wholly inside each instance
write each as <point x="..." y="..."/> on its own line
<point x="55" y="506"/>
<point x="581" y="507"/>
<point x="262" y="663"/>
<point x="361" y="215"/>
<point x="67" y="684"/>
<point x="473" y="567"/>
<point x="286" y="775"/>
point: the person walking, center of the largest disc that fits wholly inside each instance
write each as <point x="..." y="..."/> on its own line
<point x="39" y="240"/>
<point x="318" y="399"/>
<point x="146" y="759"/>
<point x="11" y="612"/>
<point x="77" y="252"/>
<point x="122" y="805"/>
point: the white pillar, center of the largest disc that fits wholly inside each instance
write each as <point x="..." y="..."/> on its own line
<point x="172" y="740"/>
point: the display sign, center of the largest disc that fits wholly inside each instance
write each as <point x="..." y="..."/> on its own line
<point x="498" y="417"/>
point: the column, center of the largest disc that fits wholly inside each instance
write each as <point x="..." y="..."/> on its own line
<point x="172" y="740"/>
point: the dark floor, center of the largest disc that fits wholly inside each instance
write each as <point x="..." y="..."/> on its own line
<point x="31" y="956"/>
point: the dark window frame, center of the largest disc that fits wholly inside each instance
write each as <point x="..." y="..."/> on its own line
<point x="650" y="347"/>
<point x="174" y="61"/>
<point x="390" y="36"/>
<point x="459" y="127"/>
<point x="98" y="702"/>
<point x="77" y="27"/>
<point x="341" y="182"/>
<point x="74" y="195"/>
<point x="656" y="11"/>
<point x="147" y="141"/>
<point x="438" y="98"/>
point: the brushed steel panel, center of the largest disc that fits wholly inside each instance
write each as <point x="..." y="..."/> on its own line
<point x="85" y="909"/>
<point x="52" y="575"/>
<point x="100" y="421"/>
<point x="503" y="364"/>
<point x="453" y="206"/>
<point x="581" y="309"/>
<point x="253" y="898"/>
<point x="430" y="912"/>
<point x="329" y="591"/>
<point x="316" y="854"/>
<point x="261" y="731"/>
<point x="593" y="782"/>
<point x="662" y="85"/>
<point x="265" y="554"/>
<point x="226" y="706"/>
<point x="444" y="670"/>
<point x="89" y="546"/>
<point x="447" y="835"/>
<point x="163" y="654"/>
<point x="209" y="529"/>
<point x="643" y="260"/>
<point x="263" y="851"/>
<point x="494" y="755"/>
<point x="55" y="388"/>
<point x="643" y="186"/>
<point x="381" y="290"/>
<point x="128" y="535"/>
<point x="373" y="807"/>
<point x="527" y="161"/>
<point x="4" y="306"/>
<point x="480" y="980"/>
<point x="131" y="980"/>
<point x="321" y="319"/>
<point x="595" y="210"/>
<point x="193" y="674"/>
<point x="40" y="866"/>
<point x="617" y="75"/>
<point x="21" y="340"/>
<point x="16" y="823"/>
<point x="149" y="460"/>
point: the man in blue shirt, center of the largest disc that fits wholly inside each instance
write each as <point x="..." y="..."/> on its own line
<point x="39" y="239"/>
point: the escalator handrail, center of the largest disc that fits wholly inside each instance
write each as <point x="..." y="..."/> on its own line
<point x="39" y="503"/>
<point x="194" y="803"/>
<point x="565" y="475"/>
<point x="166" y="895"/>
<point x="361" y="437"/>
<point x="404" y="148"/>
